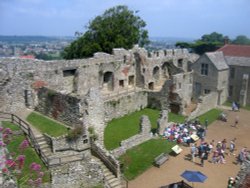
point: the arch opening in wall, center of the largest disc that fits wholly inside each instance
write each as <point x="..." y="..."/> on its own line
<point x="108" y="81"/>
<point x="175" y="108"/>
<point x="180" y="63"/>
<point x="164" y="68"/>
<point x="121" y="83"/>
<point x="151" y="85"/>
<point x="131" y="80"/>
<point x="156" y="73"/>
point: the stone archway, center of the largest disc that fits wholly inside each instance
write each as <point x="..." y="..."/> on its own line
<point x="108" y="81"/>
<point x="156" y="73"/>
<point x="164" y="68"/>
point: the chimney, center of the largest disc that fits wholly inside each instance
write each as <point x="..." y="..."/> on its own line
<point x="226" y="40"/>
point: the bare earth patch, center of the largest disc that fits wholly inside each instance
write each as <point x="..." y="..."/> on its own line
<point x="218" y="174"/>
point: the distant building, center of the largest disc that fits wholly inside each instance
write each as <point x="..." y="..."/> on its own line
<point x="27" y="57"/>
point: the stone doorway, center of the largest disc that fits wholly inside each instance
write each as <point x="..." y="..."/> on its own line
<point x="108" y="81"/>
<point x="175" y="108"/>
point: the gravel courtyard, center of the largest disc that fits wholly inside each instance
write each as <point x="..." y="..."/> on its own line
<point x="218" y="174"/>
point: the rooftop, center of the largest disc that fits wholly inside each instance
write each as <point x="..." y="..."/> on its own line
<point x="217" y="59"/>
<point x="235" y="50"/>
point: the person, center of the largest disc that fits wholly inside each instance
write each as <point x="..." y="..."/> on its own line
<point x="193" y="152"/>
<point x="206" y="123"/>
<point x="234" y="106"/>
<point x="204" y="156"/>
<point x="236" y="121"/>
<point x="232" y="147"/>
<point x="242" y="155"/>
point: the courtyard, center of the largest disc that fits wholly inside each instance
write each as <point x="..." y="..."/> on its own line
<point x="217" y="174"/>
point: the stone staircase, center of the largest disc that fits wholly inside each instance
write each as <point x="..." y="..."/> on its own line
<point x="110" y="180"/>
<point x="44" y="146"/>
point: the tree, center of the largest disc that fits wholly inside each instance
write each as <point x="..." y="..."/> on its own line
<point x="207" y="43"/>
<point x="241" y="39"/>
<point x="117" y="27"/>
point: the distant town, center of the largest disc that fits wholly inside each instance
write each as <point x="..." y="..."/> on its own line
<point x="51" y="48"/>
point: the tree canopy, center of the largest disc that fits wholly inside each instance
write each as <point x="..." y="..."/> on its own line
<point x="211" y="42"/>
<point x="117" y="27"/>
<point x="207" y="43"/>
<point x="241" y="39"/>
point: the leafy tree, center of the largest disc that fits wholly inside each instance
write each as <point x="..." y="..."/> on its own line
<point x="241" y="39"/>
<point x="183" y="44"/>
<point x="207" y="43"/>
<point x="213" y="37"/>
<point x="117" y="27"/>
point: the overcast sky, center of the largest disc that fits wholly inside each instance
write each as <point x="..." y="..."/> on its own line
<point x="164" y="18"/>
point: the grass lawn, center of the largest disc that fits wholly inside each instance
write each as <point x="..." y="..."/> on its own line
<point x="46" y="125"/>
<point x="175" y="118"/>
<point x="129" y="125"/>
<point x="211" y="116"/>
<point x="30" y="155"/>
<point x="141" y="157"/>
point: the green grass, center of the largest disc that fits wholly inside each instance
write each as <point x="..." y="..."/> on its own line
<point x="138" y="159"/>
<point x="129" y="125"/>
<point x="30" y="155"/>
<point x="175" y="118"/>
<point x="46" y="125"/>
<point x="13" y="127"/>
<point x="211" y="116"/>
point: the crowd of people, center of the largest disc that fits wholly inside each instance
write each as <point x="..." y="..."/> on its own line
<point x="183" y="133"/>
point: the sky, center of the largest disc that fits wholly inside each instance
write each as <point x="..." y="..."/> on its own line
<point x="164" y="18"/>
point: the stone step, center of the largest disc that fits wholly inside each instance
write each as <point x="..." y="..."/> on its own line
<point x="115" y="183"/>
<point x="39" y="139"/>
<point x="42" y="143"/>
<point x="44" y="146"/>
<point x="109" y="177"/>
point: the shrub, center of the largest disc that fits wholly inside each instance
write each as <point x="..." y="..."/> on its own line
<point x="75" y="133"/>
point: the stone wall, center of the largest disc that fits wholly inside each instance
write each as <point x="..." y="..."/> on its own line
<point x="128" y="103"/>
<point x="20" y="78"/>
<point x="78" y="174"/>
<point x="238" y="84"/>
<point x="64" y="108"/>
<point x="135" y="140"/>
<point x="62" y="143"/>
<point x="205" y="103"/>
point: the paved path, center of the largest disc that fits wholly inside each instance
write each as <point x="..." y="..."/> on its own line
<point x="23" y="114"/>
<point x="217" y="173"/>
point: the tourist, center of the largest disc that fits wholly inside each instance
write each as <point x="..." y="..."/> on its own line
<point x="206" y="124"/>
<point x="193" y="152"/>
<point x="236" y="121"/>
<point x="232" y="147"/>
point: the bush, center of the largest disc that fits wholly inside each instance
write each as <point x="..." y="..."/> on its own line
<point x="75" y="133"/>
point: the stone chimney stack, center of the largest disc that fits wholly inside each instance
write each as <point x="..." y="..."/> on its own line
<point x="226" y="40"/>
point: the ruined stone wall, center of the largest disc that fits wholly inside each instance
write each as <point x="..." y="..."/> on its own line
<point x="184" y="87"/>
<point x="62" y="143"/>
<point x="78" y="174"/>
<point x="19" y="78"/>
<point x="144" y="135"/>
<point x="205" y="104"/>
<point x="64" y="108"/>
<point x="122" y="105"/>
